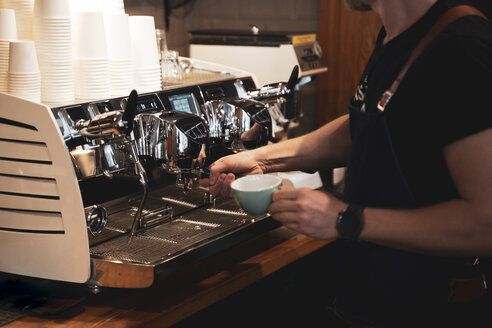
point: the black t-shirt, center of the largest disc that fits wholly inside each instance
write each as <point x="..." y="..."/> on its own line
<point x="444" y="96"/>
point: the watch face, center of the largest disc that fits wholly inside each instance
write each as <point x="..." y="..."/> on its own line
<point x="349" y="224"/>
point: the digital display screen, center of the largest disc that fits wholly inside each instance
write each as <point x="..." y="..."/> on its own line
<point x="183" y="103"/>
<point x="308" y="51"/>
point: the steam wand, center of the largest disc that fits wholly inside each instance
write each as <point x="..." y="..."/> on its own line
<point x="128" y="116"/>
<point x="137" y="221"/>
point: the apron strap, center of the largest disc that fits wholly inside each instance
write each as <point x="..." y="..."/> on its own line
<point x="447" y="18"/>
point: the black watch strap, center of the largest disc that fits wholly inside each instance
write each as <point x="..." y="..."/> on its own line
<point x="350" y="222"/>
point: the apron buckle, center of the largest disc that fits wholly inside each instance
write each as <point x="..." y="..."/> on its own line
<point x="385" y="98"/>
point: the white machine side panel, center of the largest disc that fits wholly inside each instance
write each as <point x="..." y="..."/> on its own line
<point x="42" y="226"/>
<point x="31" y="220"/>
<point x="27" y="202"/>
<point x="251" y="59"/>
<point x="7" y="131"/>
<point x="51" y="265"/>
<point x="23" y="150"/>
<point x="28" y="185"/>
<point x="31" y="169"/>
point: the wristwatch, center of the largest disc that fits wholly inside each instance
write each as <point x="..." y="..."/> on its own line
<point x="350" y="222"/>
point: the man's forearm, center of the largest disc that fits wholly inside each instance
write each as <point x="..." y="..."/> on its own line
<point x="326" y="147"/>
<point x="455" y="228"/>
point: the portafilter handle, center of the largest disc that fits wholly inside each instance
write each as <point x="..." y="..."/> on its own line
<point x="130" y="111"/>
<point x="293" y="79"/>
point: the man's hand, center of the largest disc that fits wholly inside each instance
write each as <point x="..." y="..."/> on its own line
<point x="311" y="212"/>
<point x="224" y="171"/>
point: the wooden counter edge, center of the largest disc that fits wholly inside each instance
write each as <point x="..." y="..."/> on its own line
<point x="171" y="309"/>
<point x="228" y="282"/>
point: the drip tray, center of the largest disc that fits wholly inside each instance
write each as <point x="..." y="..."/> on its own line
<point x="121" y="212"/>
<point x="195" y="231"/>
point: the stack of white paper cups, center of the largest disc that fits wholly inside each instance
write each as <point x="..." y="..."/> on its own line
<point x="24" y="75"/>
<point x="8" y="32"/>
<point x="105" y="6"/>
<point x="53" y="37"/>
<point x="112" y="6"/>
<point x="85" y="5"/>
<point x="120" y="54"/>
<point x="91" y="63"/>
<point x="23" y="16"/>
<point x="145" y="54"/>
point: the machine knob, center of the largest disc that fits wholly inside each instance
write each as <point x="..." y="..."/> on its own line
<point x="96" y="219"/>
<point x="254" y="29"/>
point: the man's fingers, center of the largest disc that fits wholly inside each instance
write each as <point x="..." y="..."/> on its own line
<point x="283" y="205"/>
<point x="205" y="182"/>
<point x="220" y="166"/>
<point x="286" y="218"/>
<point x="285" y="193"/>
<point x="226" y="188"/>
<point x="216" y="188"/>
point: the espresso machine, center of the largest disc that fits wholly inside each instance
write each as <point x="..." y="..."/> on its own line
<point x="281" y="99"/>
<point x="104" y="193"/>
<point x="271" y="57"/>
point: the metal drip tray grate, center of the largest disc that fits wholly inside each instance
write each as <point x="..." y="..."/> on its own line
<point x="193" y="224"/>
<point x="121" y="212"/>
<point x="175" y="237"/>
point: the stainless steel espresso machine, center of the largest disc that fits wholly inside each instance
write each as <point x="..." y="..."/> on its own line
<point x="270" y="56"/>
<point x="104" y="193"/>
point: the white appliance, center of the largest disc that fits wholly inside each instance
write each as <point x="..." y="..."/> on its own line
<point x="270" y="57"/>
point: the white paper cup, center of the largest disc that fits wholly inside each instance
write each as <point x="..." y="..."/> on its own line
<point x="143" y="41"/>
<point x="27" y="86"/>
<point x="121" y="67"/>
<point x="8" y="27"/>
<point x="91" y="62"/>
<point x="84" y="5"/>
<point x="89" y="35"/>
<point x="23" y="78"/>
<point x="111" y="6"/>
<point x="23" y="16"/>
<point x="22" y="57"/>
<point x="118" y="36"/>
<point x="51" y="8"/>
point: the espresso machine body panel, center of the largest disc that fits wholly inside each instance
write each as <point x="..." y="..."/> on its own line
<point x="43" y="230"/>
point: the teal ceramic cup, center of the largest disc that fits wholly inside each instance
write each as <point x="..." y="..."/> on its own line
<point x="254" y="192"/>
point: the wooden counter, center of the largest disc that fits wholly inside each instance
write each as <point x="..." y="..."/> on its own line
<point x="176" y="297"/>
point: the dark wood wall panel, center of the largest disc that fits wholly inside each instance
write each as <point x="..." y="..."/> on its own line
<point x="347" y="39"/>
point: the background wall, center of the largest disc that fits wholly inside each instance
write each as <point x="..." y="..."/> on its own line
<point x="272" y="15"/>
<point x="347" y="38"/>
